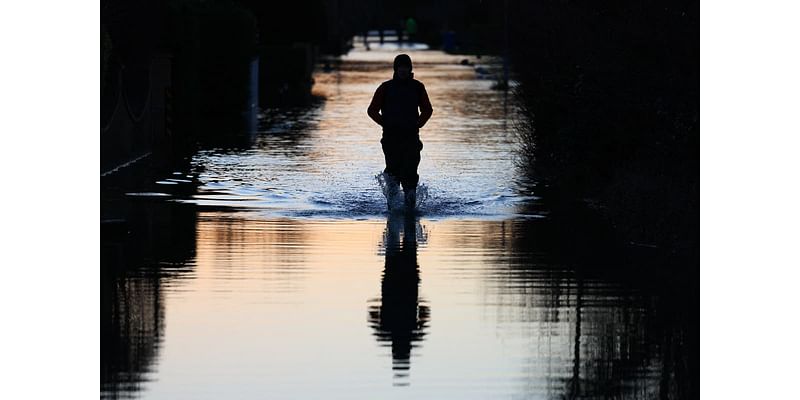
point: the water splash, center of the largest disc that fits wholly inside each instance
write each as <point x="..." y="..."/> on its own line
<point x="422" y="195"/>
<point x="394" y="195"/>
<point x="391" y="190"/>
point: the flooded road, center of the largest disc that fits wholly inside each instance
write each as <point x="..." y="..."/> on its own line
<point x="322" y="161"/>
<point x="271" y="270"/>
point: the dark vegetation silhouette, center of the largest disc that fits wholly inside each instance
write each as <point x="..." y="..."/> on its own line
<point x="610" y="99"/>
<point x="212" y="44"/>
<point x="216" y="61"/>
<point x="611" y="95"/>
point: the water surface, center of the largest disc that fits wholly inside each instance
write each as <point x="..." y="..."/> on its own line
<point x="272" y="270"/>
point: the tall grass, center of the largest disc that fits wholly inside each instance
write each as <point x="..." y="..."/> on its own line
<point x="610" y="95"/>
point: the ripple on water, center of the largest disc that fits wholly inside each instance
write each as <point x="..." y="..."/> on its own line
<point x="147" y="194"/>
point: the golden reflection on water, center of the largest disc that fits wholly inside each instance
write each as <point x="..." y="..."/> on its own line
<point x="288" y="308"/>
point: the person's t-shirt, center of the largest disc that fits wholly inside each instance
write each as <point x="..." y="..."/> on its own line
<point x="398" y="101"/>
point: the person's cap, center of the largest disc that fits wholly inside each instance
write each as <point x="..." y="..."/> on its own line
<point x="402" y="59"/>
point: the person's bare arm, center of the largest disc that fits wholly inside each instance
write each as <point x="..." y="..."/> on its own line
<point x="375" y="106"/>
<point x="425" y="108"/>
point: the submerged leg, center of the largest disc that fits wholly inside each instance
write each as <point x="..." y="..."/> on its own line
<point x="393" y="171"/>
<point x="391" y="188"/>
<point x="410" y="197"/>
<point x="410" y="177"/>
<point x="402" y="160"/>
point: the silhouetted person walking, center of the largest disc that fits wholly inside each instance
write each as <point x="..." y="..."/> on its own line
<point x="404" y="108"/>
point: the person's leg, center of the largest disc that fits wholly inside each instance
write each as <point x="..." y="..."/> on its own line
<point x="392" y="172"/>
<point x="393" y="155"/>
<point x="410" y="177"/>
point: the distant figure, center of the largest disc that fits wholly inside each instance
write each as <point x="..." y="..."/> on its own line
<point x="411" y="29"/>
<point x="400" y="101"/>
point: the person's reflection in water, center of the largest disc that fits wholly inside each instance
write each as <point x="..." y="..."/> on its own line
<point x="401" y="317"/>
